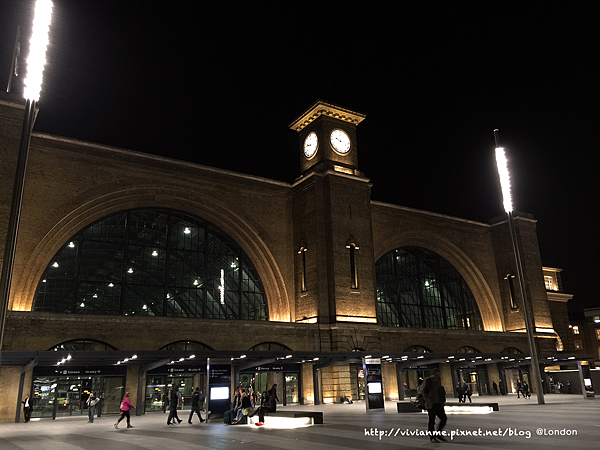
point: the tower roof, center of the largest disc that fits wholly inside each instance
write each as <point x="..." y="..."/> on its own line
<point x="322" y="108"/>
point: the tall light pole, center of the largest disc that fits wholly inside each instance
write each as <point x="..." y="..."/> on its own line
<point x="33" y="85"/>
<point x="502" y="165"/>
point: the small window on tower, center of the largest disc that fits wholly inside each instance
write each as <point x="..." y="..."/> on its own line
<point x="352" y="246"/>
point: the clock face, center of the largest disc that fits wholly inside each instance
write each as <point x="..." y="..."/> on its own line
<point x="340" y="141"/>
<point x="311" y="144"/>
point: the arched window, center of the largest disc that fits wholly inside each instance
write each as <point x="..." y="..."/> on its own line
<point x="418" y="349"/>
<point x="186" y="345"/>
<point x="269" y="347"/>
<point x="467" y="349"/>
<point x="152" y="263"/>
<point x="82" y="344"/>
<point x="418" y="288"/>
<point x="511" y="351"/>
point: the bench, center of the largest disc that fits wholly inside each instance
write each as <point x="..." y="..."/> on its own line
<point x="492" y="405"/>
<point x="290" y="418"/>
<point x="452" y="408"/>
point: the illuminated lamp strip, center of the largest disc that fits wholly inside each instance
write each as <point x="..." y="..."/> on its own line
<point x="544" y="330"/>
<point x="307" y="320"/>
<point x="360" y="319"/>
<point x="343" y="170"/>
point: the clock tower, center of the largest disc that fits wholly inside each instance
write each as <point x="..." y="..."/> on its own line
<point x="328" y="138"/>
<point x="332" y="226"/>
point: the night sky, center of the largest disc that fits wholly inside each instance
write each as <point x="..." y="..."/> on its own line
<point x="218" y="84"/>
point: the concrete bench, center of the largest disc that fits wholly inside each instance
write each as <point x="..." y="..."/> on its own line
<point x="453" y="408"/>
<point x="290" y="418"/>
<point x="492" y="405"/>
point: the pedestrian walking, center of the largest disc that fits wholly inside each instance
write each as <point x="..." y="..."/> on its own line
<point x="468" y="392"/>
<point x="126" y="406"/>
<point x="196" y="396"/>
<point x="27" y="408"/>
<point x="173" y="403"/>
<point x="435" y="398"/>
<point x="460" y="392"/>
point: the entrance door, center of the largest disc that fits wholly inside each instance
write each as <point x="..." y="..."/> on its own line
<point x="186" y="389"/>
<point x="61" y="397"/>
<point x="156" y="392"/>
<point x="291" y="388"/>
<point x="475" y="379"/>
<point x="412" y="379"/>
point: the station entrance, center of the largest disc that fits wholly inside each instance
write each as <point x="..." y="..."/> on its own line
<point x="62" y="395"/>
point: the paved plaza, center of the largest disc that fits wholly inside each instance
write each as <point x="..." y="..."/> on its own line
<point x="566" y="422"/>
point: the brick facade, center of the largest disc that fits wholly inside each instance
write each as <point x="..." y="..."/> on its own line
<point x="70" y="184"/>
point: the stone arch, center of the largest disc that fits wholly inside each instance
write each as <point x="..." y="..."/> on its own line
<point x="490" y="313"/>
<point x="186" y="345"/>
<point x="269" y="347"/>
<point x="467" y="349"/>
<point x="418" y="349"/>
<point x="82" y="344"/>
<point x="91" y="208"/>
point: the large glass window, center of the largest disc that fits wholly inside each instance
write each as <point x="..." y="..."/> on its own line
<point x="418" y="288"/>
<point x="152" y="263"/>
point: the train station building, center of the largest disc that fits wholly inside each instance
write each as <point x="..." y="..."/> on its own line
<point x="138" y="273"/>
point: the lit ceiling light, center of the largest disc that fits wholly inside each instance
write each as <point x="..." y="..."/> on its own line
<point x="55" y="264"/>
<point x="187" y="230"/>
<point x="110" y="285"/>
<point x="130" y="270"/>
<point x="154" y="253"/>
<point x="71" y="244"/>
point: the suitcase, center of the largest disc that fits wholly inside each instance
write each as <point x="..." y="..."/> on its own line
<point x="228" y="417"/>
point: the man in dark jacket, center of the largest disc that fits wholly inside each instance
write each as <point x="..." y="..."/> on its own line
<point x="173" y="404"/>
<point x="435" y="398"/>
<point x="195" y="406"/>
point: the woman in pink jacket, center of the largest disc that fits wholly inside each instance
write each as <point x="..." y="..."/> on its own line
<point x="125" y="407"/>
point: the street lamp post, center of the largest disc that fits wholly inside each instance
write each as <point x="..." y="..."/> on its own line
<point x="33" y="85"/>
<point x="502" y="165"/>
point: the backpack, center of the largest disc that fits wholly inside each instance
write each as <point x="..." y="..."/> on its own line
<point x="420" y="399"/>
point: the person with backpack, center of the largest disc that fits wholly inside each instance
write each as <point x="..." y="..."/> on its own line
<point x="435" y="398"/>
<point x="196" y="396"/>
<point x="173" y="403"/>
